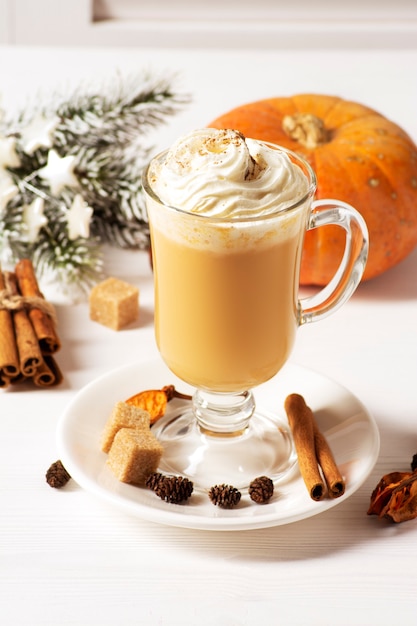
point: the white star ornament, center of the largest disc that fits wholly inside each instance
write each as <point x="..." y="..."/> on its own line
<point x="59" y="172"/>
<point x="34" y="218"/>
<point x="8" y="154"/>
<point x="38" y="134"/>
<point x="8" y="189"/>
<point x="78" y="218"/>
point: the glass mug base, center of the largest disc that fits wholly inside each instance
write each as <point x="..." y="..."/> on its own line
<point x="264" y="447"/>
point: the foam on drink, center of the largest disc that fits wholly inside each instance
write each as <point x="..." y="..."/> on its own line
<point x="220" y="173"/>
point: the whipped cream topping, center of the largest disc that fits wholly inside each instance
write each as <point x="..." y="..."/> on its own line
<point x="219" y="173"/>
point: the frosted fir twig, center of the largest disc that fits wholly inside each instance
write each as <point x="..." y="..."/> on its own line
<point x="103" y="130"/>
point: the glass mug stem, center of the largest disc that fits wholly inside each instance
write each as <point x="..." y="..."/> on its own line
<point x="223" y="414"/>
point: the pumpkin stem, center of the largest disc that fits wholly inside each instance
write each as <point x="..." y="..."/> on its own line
<point x="307" y="129"/>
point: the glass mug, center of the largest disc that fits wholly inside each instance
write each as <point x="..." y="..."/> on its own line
<point x="226" y="316"/>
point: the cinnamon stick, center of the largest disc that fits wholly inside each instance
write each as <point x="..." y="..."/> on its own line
<point x="48" y="373"/>
<point x="302" y="427"/>
<point x="30" y="355"/>
<point x="40" y="312"/>
<point x="9" y="358"/>
<point x="4" y="381"/>
<point x="334" y="480"/>
<point x="313" y="450"/>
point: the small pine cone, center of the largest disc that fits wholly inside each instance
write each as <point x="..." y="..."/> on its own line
<point x="57" y="476"/>
<point x="261" y="489"/>
<point x="174" y="489"/>
<point x="154" y="480"/>
<point x="224" y="496"/>
<point x="414" y="463"/>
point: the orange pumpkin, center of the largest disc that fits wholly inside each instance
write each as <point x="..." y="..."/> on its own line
<point x="359" y="156"/>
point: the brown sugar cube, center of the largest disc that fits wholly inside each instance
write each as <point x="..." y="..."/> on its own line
<point x="123" y="416"/>
<point x="134" y="455"/>
<point x="114" y="303"/>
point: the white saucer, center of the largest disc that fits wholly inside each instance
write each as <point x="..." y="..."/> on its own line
<point x="349" y="428"/>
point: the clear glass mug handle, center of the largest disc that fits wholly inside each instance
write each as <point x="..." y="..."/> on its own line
<point x="351" y="268"/>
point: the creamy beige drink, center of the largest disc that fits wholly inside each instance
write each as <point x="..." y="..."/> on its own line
<point x="227" y="217"/>
<point x="226" y="257"/>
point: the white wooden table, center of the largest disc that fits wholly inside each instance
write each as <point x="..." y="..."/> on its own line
<point x="69" y="558"/>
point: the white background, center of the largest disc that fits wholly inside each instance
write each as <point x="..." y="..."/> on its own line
<point x="227" y="23"/>
<point x="67" y="559"/>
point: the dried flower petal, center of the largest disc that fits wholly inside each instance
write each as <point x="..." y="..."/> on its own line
<point x="383" y="491"/>
<point x="395" y="497"/>
<point x="402" y="505"/>
<point x="154" y="401"/>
